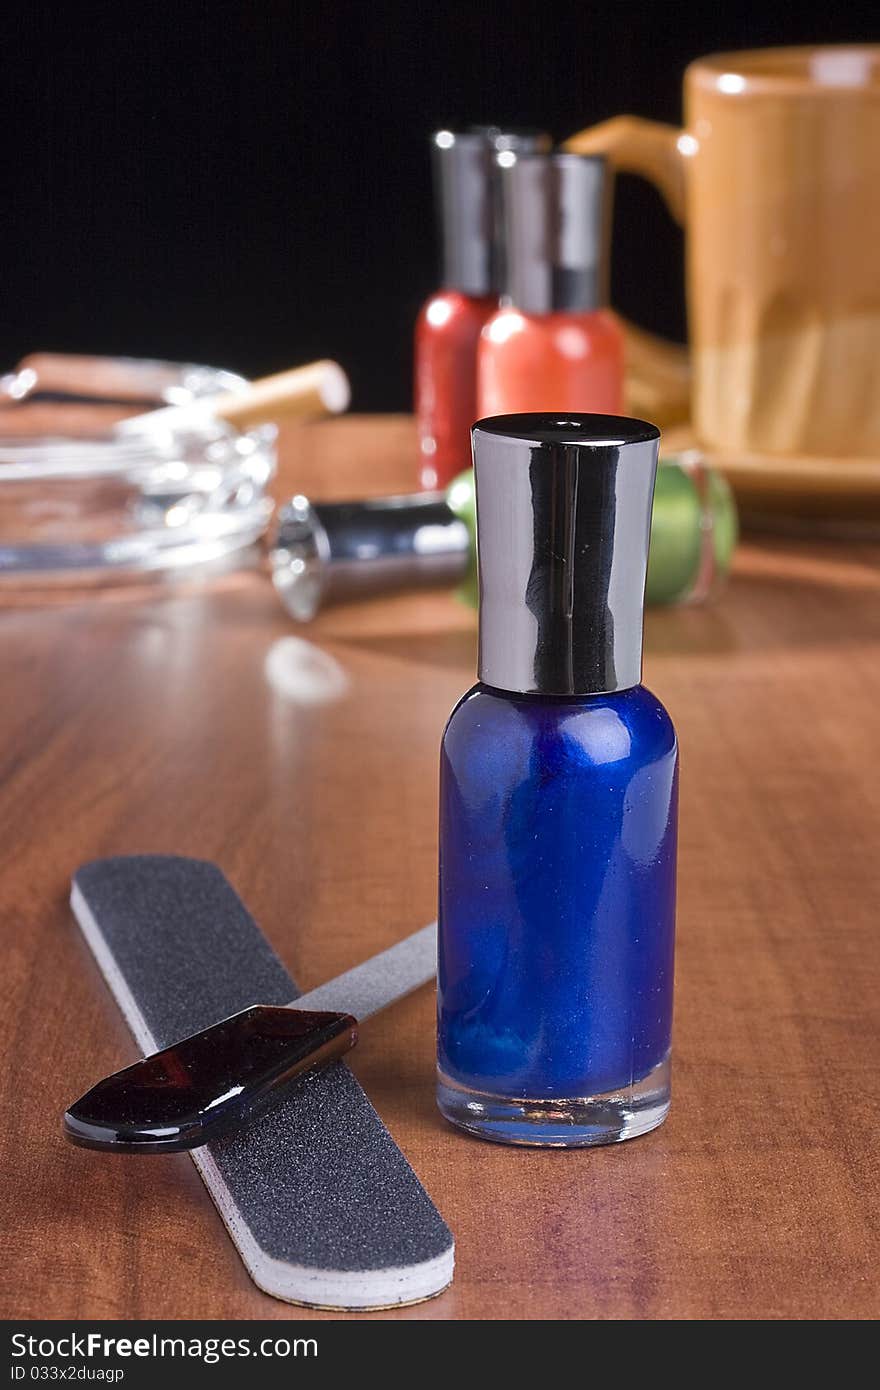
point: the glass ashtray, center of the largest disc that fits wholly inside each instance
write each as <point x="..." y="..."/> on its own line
<point x="80" y="502"/>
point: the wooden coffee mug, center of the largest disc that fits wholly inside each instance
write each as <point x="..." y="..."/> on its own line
<point x="776" y="177"/>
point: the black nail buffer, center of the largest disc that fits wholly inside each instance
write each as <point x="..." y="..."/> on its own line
<point x="321" y="1203"/>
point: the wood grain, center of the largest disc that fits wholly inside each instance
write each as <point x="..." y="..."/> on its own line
<point x="175" y="719"/>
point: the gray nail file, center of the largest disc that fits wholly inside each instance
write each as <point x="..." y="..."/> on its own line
<point x="379" y="981"/>
<point x="321" y="1203"/>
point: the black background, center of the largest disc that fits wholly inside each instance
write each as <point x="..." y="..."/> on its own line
<point x="245" y="182"/>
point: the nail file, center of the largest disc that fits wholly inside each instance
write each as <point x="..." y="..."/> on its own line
<point x="222" y="1078"/>
<point x="368" y="988"/>
<point x="321" y="1203"/>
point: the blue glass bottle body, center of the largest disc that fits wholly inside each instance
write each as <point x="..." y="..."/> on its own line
<point x="558" y="820"/>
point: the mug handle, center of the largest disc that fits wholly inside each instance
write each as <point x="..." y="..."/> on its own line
<point x="658" y="377"/>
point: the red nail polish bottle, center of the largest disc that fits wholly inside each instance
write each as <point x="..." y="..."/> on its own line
<point x="448" y="329"/>
<point x="552" y="345"/>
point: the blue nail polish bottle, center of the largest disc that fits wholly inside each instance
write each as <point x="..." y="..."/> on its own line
<point x="558" y="801"/>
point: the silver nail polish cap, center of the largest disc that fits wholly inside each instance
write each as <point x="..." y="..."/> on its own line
<point x="557" y="219"/>
<point x="563" y="526"/>
<point x="466" y="177"/>
<point x="336" y="552"/>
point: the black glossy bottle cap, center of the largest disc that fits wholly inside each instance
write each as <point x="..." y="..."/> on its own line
<point x="563" y="526"/>
<point x="467" y="187"/>
<point x="208" y="1084"/>
<point x="557" y="220"/>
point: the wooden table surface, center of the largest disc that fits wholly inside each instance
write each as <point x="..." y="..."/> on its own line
<point x="185" y="720"/>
